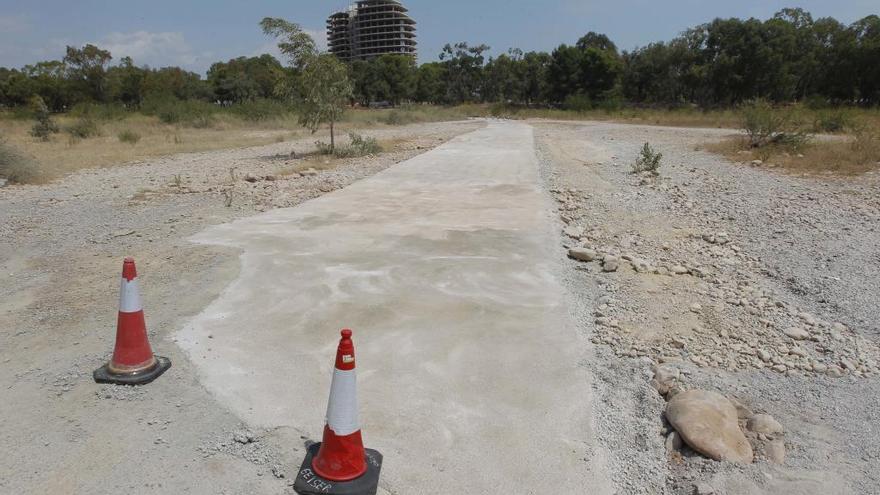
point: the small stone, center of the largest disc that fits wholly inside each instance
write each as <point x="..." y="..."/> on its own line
<point x="679" y="270"/>
<point x="835" y="371"/>
<point x="696" y="308"/>
<point x="673" y="442"/>
<point x="764" y="423"/>
<point x="610" y="264"/>
<point x="574" y="231"/>
<point x="582" y="254"/>
<point x="775" y="451"/>
<point x="243" y="437"/>
<point x="764" y="355"/>
<point x="797" y="333"/>
<point x="703" y="489"/>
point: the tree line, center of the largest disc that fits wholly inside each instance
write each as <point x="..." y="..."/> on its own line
<point x="789" y="57"/>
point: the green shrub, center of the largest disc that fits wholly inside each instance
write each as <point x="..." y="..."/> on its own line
<point x="129" y="136"/>
<point x="648" y="160"/>
<point x="16" y="167"/>
<point x="83" y="128"/>
<point x="359" y="146"/>
<point x="44" y="126"/>
<point x="170" y="110"/>
<point x="832" y="121"/>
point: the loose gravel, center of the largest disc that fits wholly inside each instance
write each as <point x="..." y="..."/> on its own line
<point x="756" y="284"/>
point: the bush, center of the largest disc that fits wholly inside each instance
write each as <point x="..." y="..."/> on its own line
<point x="359" y="146"/>
<point x="832" y="121"/>
<point x="395" y="117"/>
<point x="17" y="168"/>
<point x="44" y="126"/>
<point x="129" y="136"/>
<point x="765" y="126"/>
<point x="83" y="128"/>
<point x="170" y="110"/>
<point x="648" y="160"/>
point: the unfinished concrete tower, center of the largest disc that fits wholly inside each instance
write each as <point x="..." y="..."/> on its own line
<point x="370" y="28"/>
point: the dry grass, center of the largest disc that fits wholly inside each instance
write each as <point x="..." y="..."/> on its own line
<point x="845" y="156"/>
<point x="65" y="154"/>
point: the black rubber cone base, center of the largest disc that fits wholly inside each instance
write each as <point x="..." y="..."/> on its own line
<point x="309" y="483"/>
<point x="103" y="374"/>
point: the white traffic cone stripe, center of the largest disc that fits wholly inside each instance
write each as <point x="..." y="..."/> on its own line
<point x="129" y="297"/>
<point x="342" y="415"/>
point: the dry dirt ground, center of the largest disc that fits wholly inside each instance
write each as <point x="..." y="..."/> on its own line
<point x="61" y="247"/>
<point x="757" y="253"/>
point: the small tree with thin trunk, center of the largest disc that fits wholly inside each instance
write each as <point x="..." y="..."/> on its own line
<point x="326" y="85"/>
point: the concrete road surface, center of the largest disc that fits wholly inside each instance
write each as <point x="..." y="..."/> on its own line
<point x="470" y="370"/>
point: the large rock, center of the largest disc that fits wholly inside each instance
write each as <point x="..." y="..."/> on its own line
<point x="707" y="422"/>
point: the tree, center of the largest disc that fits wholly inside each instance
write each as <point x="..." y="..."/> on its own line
<point x="430" y="85"/>
<point x="464" y="71"/>
<point x="325" y="82"/>
<point x="242" y="79"/>
<point x="327" y="91"/>
<point x="125" y="83"/>
<point x="86" y="70"/>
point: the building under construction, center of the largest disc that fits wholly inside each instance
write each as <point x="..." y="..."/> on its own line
<point x="370" y="28"/>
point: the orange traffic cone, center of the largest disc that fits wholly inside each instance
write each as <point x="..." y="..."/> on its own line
<point x="340" y="465"/>
<point x="133" y="362"/>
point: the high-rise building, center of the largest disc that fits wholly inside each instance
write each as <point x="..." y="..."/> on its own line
<point x="369" y="28"/>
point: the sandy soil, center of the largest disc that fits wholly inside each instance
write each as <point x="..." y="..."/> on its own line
<point x="61" y="247"/>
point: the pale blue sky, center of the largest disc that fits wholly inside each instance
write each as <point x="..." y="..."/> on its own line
<point x="195" y="33"/>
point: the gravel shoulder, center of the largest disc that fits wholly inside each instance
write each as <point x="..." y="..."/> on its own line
<point x="714" y="266"/>
<point x="61" y="247"/>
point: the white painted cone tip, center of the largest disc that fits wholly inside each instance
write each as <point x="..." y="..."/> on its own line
<point x="342" y="415"/>
<point x="129" y="296"/>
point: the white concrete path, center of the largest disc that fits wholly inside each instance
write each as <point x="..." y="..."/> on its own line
<point x="468" y="361"/>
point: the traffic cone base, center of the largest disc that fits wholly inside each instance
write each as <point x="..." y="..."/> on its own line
<point x="308" y="482"/>
<point x="108" y="373"/>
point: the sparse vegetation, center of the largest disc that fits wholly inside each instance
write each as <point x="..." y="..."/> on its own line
<point x="648" y="161"/>
<point x="129" y="136"/>
<point x="44" y="126"/>
<point x="854" y="153"/>
<point x="83" y="128"/>
<point x="766" y="127"/>
<point x="17" y="168"/>
<point x="357" y="147"/>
